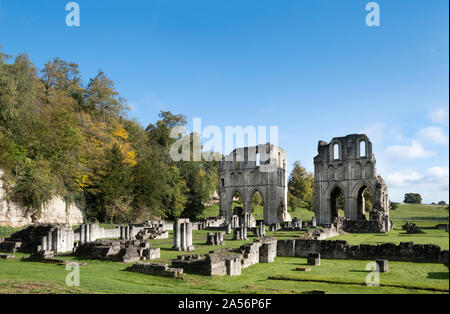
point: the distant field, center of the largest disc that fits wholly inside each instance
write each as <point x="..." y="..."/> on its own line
<point x="421" y="213"/>
<point x="439" y="237"/>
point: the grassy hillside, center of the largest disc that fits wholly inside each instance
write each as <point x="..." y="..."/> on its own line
<point x="422" y="215"/>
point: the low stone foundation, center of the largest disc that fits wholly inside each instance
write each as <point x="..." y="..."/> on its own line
<point x="118" y="250"/>
<point x="322" y="233"/>
<point x="338" y="249"/>
<point x="211" y="264"/>
<point x="157" y="269"/>
<point x="229" y="261"/>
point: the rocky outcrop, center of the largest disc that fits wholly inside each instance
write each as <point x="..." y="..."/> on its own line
<point x="54" y="211"/>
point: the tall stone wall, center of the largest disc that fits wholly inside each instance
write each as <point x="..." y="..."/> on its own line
<point x="347" y="166"/>
<point x="240" y="172"/>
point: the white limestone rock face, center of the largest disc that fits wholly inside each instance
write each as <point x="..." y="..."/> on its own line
<point x="55" y="211"/>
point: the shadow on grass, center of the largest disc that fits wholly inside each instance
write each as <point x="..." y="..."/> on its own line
<point x="404" y="234"/>
<point x="438" y="275"/>
<point x="359" y="271"/>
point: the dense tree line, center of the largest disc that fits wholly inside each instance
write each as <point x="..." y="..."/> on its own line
<point x="59" y="136"/>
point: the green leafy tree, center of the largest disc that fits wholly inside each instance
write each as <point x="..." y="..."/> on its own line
<point x="412" y="198"/>
<point x="300" y="187"/>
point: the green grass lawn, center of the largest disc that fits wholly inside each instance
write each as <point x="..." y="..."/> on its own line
<point x="332" y="276"/>
<point x="341" y="276"/>
<point x="439" y="237"/>
<point x="422" y="215"/>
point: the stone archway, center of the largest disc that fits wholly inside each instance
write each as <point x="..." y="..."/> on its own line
<point x="251" y="195"/>
<point x="358" y="197"/>
<point x="332" y="194"/>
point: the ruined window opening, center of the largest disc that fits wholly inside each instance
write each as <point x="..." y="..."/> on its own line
<point x="336" y="151"/>
<point x="362" y="149"/>
<point x="258" y="160"/>
<point x="222" y="181"/>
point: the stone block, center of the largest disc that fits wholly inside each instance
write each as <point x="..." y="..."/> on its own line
<point x="383" y="265"/>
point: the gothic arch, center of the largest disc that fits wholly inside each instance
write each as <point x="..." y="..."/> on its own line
<point x="334" y="185"/>
<point x="359" y="185"/>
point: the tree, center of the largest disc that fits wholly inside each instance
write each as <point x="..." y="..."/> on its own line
<point x="301" y="186"/>
<point x="102" y="98"/>
<point x="110" y="194"/>
<point x="59" y="137"/>
<point x="442" y="203"/>
<point x="412" y="198"/>
<point x="393" y="205"/>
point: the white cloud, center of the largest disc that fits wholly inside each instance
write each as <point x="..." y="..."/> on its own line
<point x="432" y="135"/>
<point x="404" y="178"/>
<point x="431" y="184"/>
<point x="439" y="116"/>
<point x="413" y="151"/>
<point x="438" y="176"/>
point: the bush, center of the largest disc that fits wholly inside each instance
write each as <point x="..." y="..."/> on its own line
<point x="393" y="205"/>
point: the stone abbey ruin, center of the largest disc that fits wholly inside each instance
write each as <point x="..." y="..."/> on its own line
<point x="254" y="169"/>
<point x="344" y="169"/>
<point x="347" y="166"/>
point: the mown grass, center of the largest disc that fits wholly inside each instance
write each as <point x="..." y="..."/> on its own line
<point x="111" y="277"/>
<point x="422" y="215"/>
<point x="332" y="276"/>
<point x="439" y="237"/>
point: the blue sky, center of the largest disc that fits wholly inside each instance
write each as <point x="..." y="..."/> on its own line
<point x="313" y="68"/>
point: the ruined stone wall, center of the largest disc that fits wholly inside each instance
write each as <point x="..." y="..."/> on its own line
<point x="363" y="226"/>
<point x="117" y="250"/>
<point x="240" y="172"/>
<point x="229" y="261"/>
<point x="351" y="170"/>
<point x="338" y="249"/>
<point x="156" y="269"/>
<point x="40" y="237"/>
